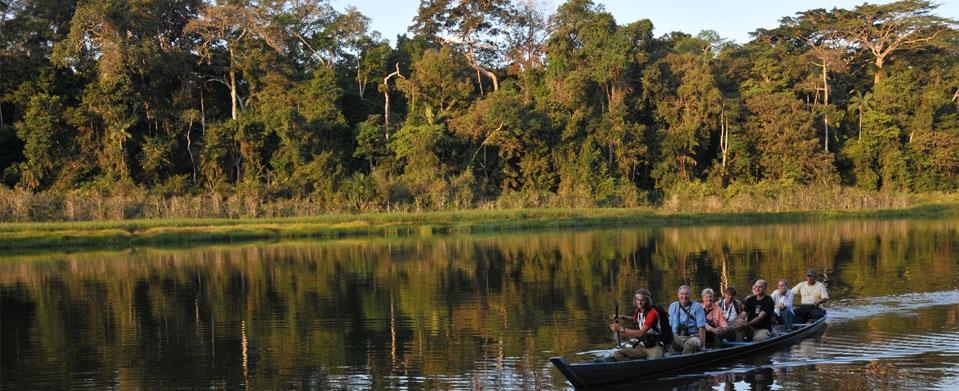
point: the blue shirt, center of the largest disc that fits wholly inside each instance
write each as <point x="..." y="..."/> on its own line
<point x="678" y="317"/>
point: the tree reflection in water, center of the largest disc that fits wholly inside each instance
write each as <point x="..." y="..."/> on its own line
<point x="441" y="312"/>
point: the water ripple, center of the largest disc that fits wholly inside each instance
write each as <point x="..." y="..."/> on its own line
<point x="854" y="309"/>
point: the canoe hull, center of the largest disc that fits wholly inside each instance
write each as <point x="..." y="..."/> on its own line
<point x="585" y="375"/>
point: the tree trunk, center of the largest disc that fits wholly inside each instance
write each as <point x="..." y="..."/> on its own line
<point x="479" y="81"/>
<point x="724" y="145"/>
<point x="879" y="62"/>
<point x="491" y="76"/>
<point x="386" y="111"/>
<point x="825" y="115"/>
<point x="189" y="149"/>
<point x="723" y="141"/>
<point x="232" y="86"/>
<point x="471" y="60"/>
<point x="386" y="100"/>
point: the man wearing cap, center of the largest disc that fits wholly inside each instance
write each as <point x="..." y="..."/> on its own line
<point x="812" y="294"/>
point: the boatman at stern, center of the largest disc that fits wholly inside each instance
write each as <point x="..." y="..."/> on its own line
<point x="812" y="294"/>
<point x="688" y="321"/>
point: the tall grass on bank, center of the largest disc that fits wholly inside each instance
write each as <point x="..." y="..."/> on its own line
<point x="693" y="197"/>
<point x="698" y="197"/>
<point x="181" y="231"/>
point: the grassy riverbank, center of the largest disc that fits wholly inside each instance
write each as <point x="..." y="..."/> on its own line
<point x="173" y="231"/>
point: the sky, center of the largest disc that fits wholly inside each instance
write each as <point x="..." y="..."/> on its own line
<point x="732" y="19"/>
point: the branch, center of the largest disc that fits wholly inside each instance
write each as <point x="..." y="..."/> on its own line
<point x="488" y="137"/>
<point x="312" y="50"/>
<point x="219" y="80"/>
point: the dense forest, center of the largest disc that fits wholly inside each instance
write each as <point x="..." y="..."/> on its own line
<point x="481" y="104"/>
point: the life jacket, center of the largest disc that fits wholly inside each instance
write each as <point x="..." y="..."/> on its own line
<point x="665" y="331"/>
<point x="661" y="332"/>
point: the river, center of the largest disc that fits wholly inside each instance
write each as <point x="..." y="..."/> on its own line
<point x="468" y="311"/>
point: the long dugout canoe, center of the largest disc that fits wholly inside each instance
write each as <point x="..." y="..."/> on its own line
<point x="591" y="374"/>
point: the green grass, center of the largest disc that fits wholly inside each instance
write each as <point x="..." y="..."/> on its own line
<point x="183" y="231"/>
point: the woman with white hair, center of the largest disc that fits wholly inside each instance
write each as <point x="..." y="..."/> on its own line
<point x="783" y="299"/>
<point x="716" y="324"/>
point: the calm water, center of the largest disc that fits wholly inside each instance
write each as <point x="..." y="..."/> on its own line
<point x="468" y="312"/>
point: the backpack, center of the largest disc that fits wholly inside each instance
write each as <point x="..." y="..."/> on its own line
<point x="665" y="330"/>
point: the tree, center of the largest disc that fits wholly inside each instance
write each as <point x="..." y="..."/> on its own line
<point x="371" y="62"/>
<point x="385" y="88"/>
<point x="46" y="141"/>
<point x="816" y="31"/>
<point x="526" y="50"/>
<point x="438" y="81"/>
<point x="470" y="25"/>
<point x="593" y="68"/>
<point x="320" y="33"/>
<point x="785" y="136"/>
<point x="370" y="141"/>
<point x="935" y="160"/>
<point x="228" y="25"/>
<point x="860" y="103"/>
<point x="885" y="29"/>
<point x="689" y="117"/>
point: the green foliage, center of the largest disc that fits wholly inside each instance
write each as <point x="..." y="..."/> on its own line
<point x="439" y="80"/>
<point x="45" y="141"/>
<point x="584" y="179"/>
<point x="785" y="137"/>
<point x="219" y="155"/>
<point x="155" y="157"/>
<point x="689" y="118"/>
<point x="370" y="141"/>
<point x="935" y="159"/>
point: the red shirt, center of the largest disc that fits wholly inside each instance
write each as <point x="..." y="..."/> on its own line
<point x="649" y="320"/>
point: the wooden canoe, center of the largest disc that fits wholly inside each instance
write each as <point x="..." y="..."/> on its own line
<point x="593" y="374"/>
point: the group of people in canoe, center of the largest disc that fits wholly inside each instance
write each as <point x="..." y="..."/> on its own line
<point x="687" y="326"/>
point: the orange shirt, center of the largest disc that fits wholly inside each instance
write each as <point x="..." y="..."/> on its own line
<point x="715" y="318"/>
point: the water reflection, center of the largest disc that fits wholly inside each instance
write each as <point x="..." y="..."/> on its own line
<point x="449" y="312"/>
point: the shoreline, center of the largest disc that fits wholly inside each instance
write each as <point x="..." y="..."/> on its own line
<point x="92" y="234"/>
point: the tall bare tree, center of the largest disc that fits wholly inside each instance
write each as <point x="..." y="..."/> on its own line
<point x="227" y="25"/>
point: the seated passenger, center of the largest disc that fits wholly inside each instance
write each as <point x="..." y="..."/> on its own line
<point x="759" y="310"/>
<point x="688" y="321"/>
<point x="716" y="325"/>
<point x="733" y="311"/>
<point x="783" y="299"/>
<point x="647" y="320"/>
<point x="811" y="295"/>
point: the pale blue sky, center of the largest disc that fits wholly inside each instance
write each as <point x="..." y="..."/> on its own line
<point x="732" y="19"/>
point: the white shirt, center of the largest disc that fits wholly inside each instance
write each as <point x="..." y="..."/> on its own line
<point x="810" y="294"/>
<point x="782" y="299"/>
<point x="729" y="310"/>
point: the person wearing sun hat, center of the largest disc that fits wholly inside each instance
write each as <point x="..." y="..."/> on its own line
<point x="812" y="294"/>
